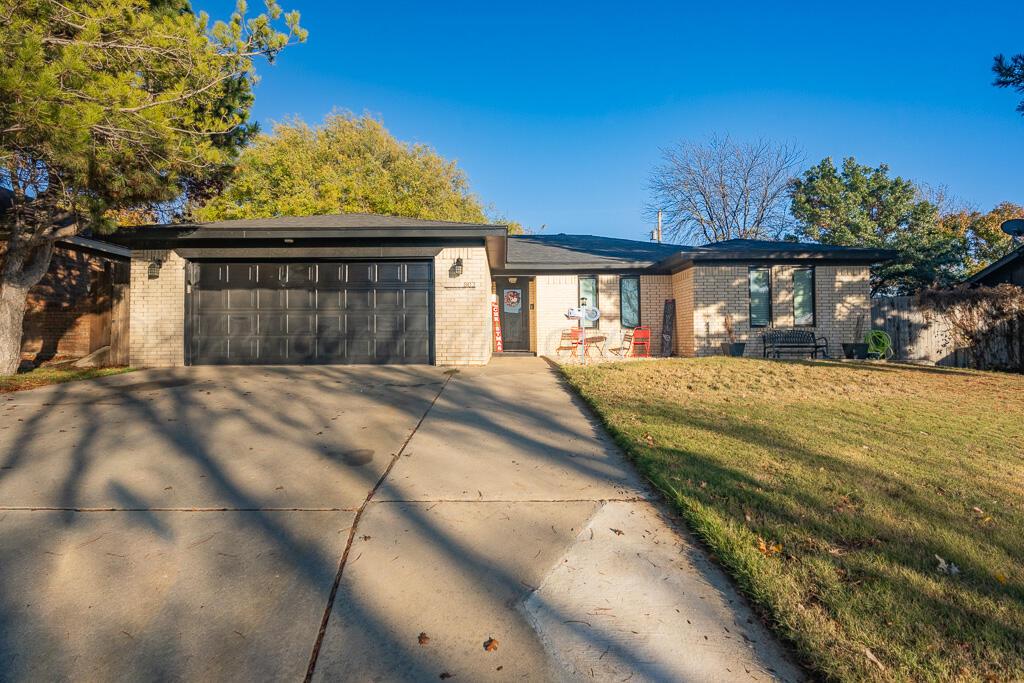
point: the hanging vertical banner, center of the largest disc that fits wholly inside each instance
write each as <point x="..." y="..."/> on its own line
<point x="668" y="327"/>
<point x="499" y="344"/>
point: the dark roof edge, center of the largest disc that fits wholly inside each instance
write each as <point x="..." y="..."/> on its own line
<point x="186" y="232"/>
<point x="843" y="254"/>
<point x="97" y="245"/>
<point x="996" y="265"/>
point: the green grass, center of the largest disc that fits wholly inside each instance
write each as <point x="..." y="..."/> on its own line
<point x="41" y="377"/>
<point x="828" y="489"/>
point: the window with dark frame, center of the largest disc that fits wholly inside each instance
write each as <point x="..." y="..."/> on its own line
<point x="629" y="302"/>
<point x="760" y="286"/>
<point x="588" y="291"/>
<point x="803" y="297"/>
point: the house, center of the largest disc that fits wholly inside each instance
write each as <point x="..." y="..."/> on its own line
<point x="356" y="288"/>
<point x="69" y="312"/>
<point x="1009" y="270"/>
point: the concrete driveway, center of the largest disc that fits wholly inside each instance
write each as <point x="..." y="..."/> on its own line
<point x="291" y="523"/>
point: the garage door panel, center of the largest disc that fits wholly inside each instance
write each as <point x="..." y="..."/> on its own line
<point x="388" y="299"/>
<point x="359" y="325"/>
<point x="300" y="299"/>
<point x="211" y="299"/>
<point x="244" y="299"/>
<point x="270" y="275"/>
<point x="417" y="298"/>
<point x="301" y="348"/>
<point x="271" y="324"/>
<point x="388" y="325"/>
<point x="357" y="273"/>
<point x="389" y="273"/>
<point x="269" y="299"/>
<point x="273" y="349"/>
<point x="417" y="350"/>
<point x="330" y="326"/>
<point x="330" y="300"/>
<point x="301" y="323"/>
<point x="212" y="325"/>
<point x="416" y="322"/>
<point x="241" y="325"/>
<point x="418" y="272"/>
<point x="359" y="299"/>
<point x="387" y="351"/>
<point x="323" y="312"/>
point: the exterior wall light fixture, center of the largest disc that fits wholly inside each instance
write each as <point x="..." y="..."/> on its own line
<point x="457" y="267"/>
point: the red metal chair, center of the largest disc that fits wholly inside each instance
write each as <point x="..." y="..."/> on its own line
<point x="642" y="342"/>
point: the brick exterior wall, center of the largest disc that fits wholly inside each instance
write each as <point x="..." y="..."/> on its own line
<point x="157" y="311"/>
<point x="841" y="294"/>
<point x="68" y="312"/>
<point x="462" y="308"/>
<point x="654" y="290"/>
<point x="555" y="295"/>
<point x="683" y="293"/>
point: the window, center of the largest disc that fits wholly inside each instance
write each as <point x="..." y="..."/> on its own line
<point x="588" y="291"/>
<point x="803" y="297"/>
<point x="760" y="297"/>
<point x="629" y="301"/>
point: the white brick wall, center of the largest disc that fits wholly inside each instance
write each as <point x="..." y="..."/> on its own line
<point x="555" y="295"/>
<point x="462" y="308"/>
<point x="157" y="311"/>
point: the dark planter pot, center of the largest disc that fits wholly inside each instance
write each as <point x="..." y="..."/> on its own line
<point x="734" y="349"/>
<point x="855" y="351"/>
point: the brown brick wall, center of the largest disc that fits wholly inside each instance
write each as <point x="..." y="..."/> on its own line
<point x="67" y="309"/>
<point x="683" y="292"/>
<point x="654" y="290"/>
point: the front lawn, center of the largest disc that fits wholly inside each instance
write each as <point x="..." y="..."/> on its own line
<point x="829" y="491"/>
<point x="41" y="377"/>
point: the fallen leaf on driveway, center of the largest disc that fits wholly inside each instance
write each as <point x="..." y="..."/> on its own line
<point x="618" y="532"/>
<point x="424" y="638"/>
<point x="491" y="644"/>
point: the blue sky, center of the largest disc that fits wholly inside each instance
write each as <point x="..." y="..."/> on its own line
<point x="557" y="111"/>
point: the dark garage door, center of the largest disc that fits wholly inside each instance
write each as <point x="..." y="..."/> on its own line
<point x="322" y="312"/>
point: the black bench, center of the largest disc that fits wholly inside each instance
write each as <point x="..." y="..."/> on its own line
<point x="776" y="342"/>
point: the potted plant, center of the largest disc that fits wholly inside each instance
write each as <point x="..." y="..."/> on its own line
<point x="858" y="349"/>
<point x="732" y="347"/>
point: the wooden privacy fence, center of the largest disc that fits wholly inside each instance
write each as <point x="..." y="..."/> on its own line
<point x="918" y="335"/>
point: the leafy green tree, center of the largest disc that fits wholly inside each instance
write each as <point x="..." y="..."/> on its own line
<point x="1010" y="74"/>
<point x="111" y="105"/>
<point x="349" y="164"/>
<point x="986" y="241"/>
<point x="860" y="206"/>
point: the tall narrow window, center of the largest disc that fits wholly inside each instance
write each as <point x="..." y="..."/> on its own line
<point x="588" y="291"/>
<point x="803" y="297"/>
<point x="629" y="301"/>
<point x="760" y="297"/>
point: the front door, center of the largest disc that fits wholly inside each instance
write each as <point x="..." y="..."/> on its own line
<point x="514" y="312"/>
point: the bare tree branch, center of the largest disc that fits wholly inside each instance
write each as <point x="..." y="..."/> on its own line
<point x="720" y="189"/>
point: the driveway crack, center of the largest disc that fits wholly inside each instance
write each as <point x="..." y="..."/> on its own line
<point x="315" y="654"/>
